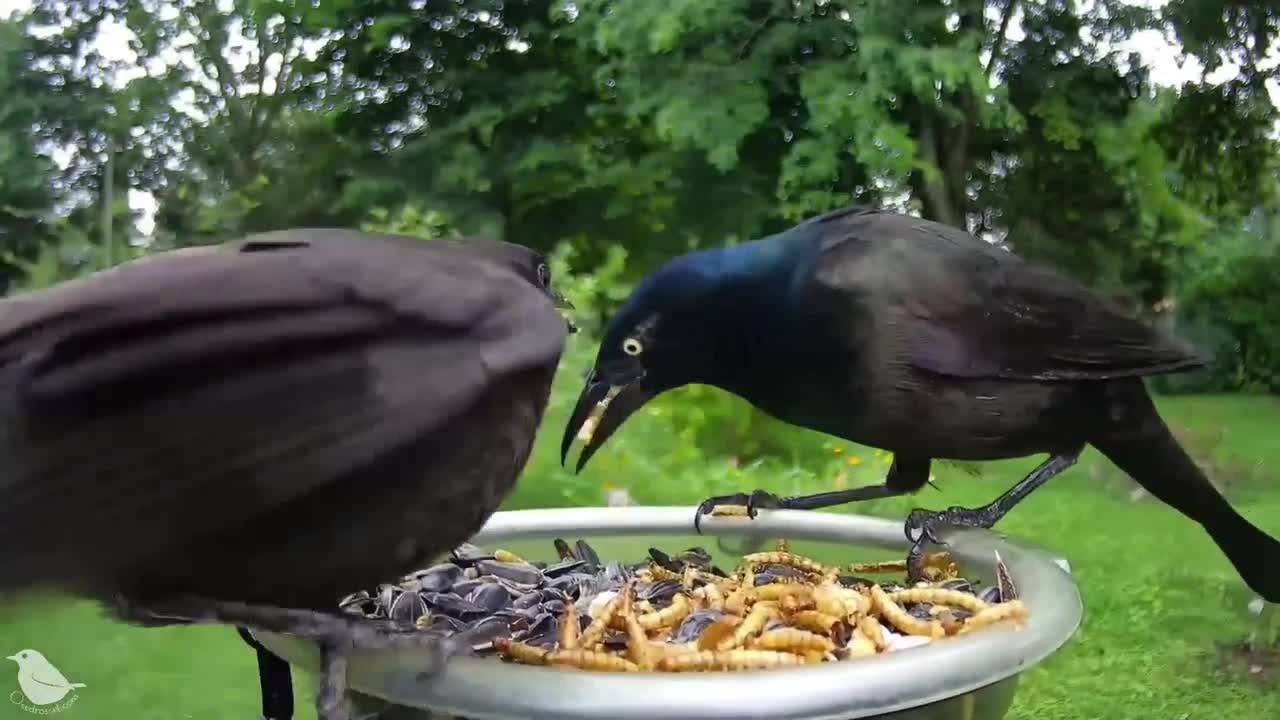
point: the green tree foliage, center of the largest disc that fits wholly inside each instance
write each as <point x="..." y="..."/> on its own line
<point x="618" y="134"/>
<point x="601" y="122"/>
<point x="503" y="113"/>
<point x="258" y="149"/>
<point x="1229" y="306"/>
<point x="39" y="107"/>
<point x="1241" y="32"/>
<point x="26" y="196"/>
<point x="228" y="120"/>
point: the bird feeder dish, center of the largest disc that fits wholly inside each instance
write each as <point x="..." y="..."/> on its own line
<point x="966" y="677"/>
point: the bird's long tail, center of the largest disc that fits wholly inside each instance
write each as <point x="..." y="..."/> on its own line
<point x="1136" y="439"/>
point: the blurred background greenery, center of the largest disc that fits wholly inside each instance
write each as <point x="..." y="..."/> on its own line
<point x="613" y="135"/>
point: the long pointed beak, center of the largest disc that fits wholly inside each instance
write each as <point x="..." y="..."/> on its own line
<point x="600" y="411"/>
<point x="11" y="657"/>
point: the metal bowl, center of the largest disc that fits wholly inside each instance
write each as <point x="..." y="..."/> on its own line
<point x="971" y="676"/>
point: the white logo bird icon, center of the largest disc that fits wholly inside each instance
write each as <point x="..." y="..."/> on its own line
<point x="40" y="681"/>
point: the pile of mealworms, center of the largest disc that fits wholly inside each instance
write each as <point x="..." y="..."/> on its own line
<point x="777" y="609"/>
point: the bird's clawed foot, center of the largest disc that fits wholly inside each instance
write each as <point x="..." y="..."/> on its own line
<point x="336" y="636"/>
<point x="737" y="505"/>
<point x="921" y="525"/>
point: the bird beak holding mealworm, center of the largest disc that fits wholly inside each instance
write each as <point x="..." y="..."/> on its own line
<point x="565" y="307"/>
<point x="601" y="409"/>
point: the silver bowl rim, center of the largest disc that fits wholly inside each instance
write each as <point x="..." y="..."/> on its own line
<point x="479" y="688"/>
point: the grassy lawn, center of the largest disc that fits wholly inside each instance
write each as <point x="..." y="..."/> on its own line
<point x="1158" y="596"/>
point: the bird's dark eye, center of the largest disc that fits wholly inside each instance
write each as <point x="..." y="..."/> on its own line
<point x="632" y="346"/>
<point x="544" y="275"/>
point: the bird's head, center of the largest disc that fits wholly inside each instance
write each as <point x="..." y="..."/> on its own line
<point x="23" y="657"/>
<point x="525" y="262"/>
<point x="685" y="323"/>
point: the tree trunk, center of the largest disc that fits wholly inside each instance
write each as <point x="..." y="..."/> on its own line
<point x="947" y="145"/>
<point x="935" y="189"/>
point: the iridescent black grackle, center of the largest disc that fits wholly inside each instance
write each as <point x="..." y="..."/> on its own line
<point x="919" y="338"/>
<point x="245" y="433"/>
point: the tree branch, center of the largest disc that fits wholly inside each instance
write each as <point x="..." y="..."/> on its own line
<point x="272" y="105"/>
<point x="937" y="200"/>
<point x="264" y="51"/>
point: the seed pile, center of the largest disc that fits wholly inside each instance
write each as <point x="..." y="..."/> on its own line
<point x="681" y="613"/>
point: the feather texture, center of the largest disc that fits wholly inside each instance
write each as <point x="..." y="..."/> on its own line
<point x="172" y="400"/>
<point x="967" y="309"/>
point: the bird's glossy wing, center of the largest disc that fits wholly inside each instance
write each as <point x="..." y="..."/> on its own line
<point x="183" y="394"/>
<point x="954" y="305"/>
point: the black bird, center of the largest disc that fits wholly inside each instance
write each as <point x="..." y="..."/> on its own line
<point x="918" y="338"/>
<point x="245" y="433"/>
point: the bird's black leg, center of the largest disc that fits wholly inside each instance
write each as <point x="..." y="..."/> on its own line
<point x="906" y="475"/>
<point x="275" y="679"/>
<point x="924" y="522"/>
<point x="336" y="635"/>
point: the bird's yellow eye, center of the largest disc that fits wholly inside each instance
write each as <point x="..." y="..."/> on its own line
<point x="632" y="346"/>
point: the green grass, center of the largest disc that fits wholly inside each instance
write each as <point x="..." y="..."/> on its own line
<point x="1158" y="596"/>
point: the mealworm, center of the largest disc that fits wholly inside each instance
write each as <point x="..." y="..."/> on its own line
<point x="1012" y="610"/>
<point x="939" y="596"/>
<point x="755" y="621"/>
<point x="668" y="616"/>
<point x="591" y="660"/>
<point x="521" y="652"/>
<point x="569" y="627"/>
<point x="814" y="620"/>
<point x="595" y="631"/>
<point x="507" y="556"/>
<point x="798" y="562"/>
<point x="870" y="628"/>
<point x="792" y="640"/>
<point x="860" y="646"/>
<point x="775" y="591"/>
<point x="901" y="619"/>
<point x="728" y="660"/>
